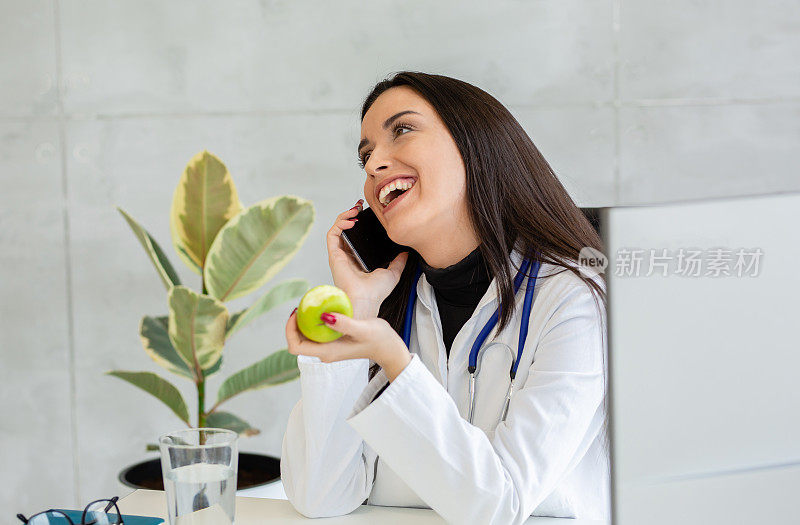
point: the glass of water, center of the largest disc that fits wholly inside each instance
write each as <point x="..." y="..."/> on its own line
<point x="199" y="467"/>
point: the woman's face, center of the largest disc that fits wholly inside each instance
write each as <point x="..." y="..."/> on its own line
<point x="418" y="146"/>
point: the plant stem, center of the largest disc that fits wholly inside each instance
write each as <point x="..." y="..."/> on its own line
<point x="201" y="382"/>
<point x="201" y="401"/>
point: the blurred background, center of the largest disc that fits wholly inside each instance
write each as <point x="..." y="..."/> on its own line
<point x="102" y="104"/>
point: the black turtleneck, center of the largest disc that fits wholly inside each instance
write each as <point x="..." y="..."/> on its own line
<point x="458" y="289"/>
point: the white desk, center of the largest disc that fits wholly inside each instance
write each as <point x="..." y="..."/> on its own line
<point x="262" y="510"/>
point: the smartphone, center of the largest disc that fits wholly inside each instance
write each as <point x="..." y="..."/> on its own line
<point x="370" y="243"/>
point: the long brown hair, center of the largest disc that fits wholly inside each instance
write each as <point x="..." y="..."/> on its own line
<point x="514" y="198"/>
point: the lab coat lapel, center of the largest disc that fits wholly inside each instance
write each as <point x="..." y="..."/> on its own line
<point x="429" y="322"/>
<point x="430" y="347"/>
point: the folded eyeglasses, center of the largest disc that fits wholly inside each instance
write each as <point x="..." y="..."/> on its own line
<point x="95" y="513"/>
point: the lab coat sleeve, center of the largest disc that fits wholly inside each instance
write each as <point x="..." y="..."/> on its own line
<point x="326" y="468"/>
<point x="460" y="472"/>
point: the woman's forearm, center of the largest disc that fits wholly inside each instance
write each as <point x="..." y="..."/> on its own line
<point x="318" y="444"/>
<point x="393" y="359"/>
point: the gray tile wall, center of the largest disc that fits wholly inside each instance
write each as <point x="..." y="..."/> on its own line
<point x="102" y="104"/>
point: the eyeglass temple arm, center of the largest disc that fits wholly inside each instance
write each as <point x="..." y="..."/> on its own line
<point x="111" y="503"/>
<point x="22" y="518"/>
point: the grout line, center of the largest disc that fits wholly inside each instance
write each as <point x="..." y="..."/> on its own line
<point x="711" y="101"/>
<point x="29" y="118"/>
<point x="699" y="199"/>
<point x="746" y="469"/>
<point x="62" y="137"/>
<point x="613" y="487"/>
<point x="616" y="9"/>
<point x="616" y="103"/>
<point x="209" y="114"/>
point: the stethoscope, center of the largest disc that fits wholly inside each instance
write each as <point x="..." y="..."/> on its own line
<point x="484" y="333"/>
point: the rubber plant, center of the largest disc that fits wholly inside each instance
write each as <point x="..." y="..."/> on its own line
<point x="235" y="251"/>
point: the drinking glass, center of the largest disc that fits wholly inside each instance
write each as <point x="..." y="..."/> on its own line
<point x="199" y="467"/>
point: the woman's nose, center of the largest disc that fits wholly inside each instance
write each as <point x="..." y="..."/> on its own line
<point x="377" y="160"/>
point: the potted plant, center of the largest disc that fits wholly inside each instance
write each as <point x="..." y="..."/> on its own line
<point x="235" y="251"/>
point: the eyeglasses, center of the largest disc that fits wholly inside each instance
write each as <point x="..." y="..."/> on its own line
<point x="95" y="513"/>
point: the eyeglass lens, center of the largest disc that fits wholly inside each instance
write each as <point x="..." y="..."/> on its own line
<point x="51" y="517"/>
<point x="96" y="513"/>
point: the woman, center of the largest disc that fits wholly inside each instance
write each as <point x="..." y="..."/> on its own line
<point x="403" y="431"/>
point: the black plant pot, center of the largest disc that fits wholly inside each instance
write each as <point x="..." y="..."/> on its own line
<point x="254" y="470"/>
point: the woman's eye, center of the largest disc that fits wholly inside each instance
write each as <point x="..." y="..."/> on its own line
<point x="402" y="126"/>
<point x="362" y="161"/>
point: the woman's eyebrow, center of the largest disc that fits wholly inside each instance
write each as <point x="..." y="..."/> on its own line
<point x="386" y="124"/>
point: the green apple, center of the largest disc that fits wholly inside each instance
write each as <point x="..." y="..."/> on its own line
<point x="316" y="301"/>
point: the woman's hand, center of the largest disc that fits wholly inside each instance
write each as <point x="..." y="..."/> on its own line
<point x="366" y="290"/>
<point x="373" y="339"/>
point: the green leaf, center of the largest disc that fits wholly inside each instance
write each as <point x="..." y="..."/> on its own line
<point x="256" y="244"/>
<point x="185" y="256"/>
<point x="196" y="326"/>
<point x="154" y="334"/>
<point x="153" y="331"/>
<point x="274" y="369"/>
<point x="230" y="422"/>
<point x="204" y="200"/>
<point x="154" y="252"/>
<point x="158" y="387"/>
<point x="277" y="295"/>
<point x="214" y="368"/>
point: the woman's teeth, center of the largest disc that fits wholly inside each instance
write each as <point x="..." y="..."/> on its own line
<point x="394" y="185"/>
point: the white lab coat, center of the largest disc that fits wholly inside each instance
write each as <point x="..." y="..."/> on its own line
<point x="413" y="446"/>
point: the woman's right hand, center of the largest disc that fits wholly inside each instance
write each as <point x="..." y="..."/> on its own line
<point x="366" y="290"/>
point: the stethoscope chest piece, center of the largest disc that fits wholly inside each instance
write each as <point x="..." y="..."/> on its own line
<point x="494" y="362"/>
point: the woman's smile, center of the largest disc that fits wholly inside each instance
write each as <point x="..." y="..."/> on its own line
<point x="402" y="197"/>
<point x="398" y="184"/>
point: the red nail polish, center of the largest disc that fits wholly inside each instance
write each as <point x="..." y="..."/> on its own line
<point x="353" y="219"/>
<point x="328" y="318"/>
<point x="293" y="311"/>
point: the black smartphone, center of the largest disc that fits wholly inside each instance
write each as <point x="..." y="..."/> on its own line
<point x="370" y="243"/>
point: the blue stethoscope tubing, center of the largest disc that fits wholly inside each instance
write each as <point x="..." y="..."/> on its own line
<point x="487" y="328"/>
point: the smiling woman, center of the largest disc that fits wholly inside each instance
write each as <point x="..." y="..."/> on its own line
<point x="446" y="390"/>
<point x="404" y="139"/>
